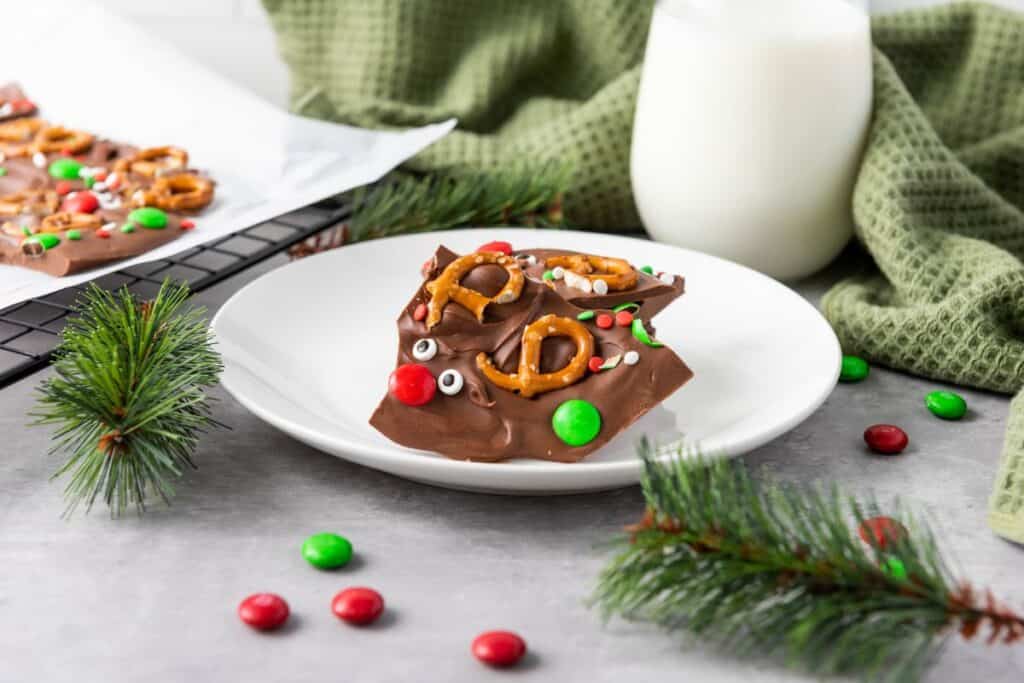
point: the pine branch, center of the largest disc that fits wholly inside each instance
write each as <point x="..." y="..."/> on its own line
<point x="128" y="398"/>
<point x="781" y="570"/>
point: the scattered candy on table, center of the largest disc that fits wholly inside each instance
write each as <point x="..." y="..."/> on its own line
<point x="264" y="611"/>
<point x="327" y="550"/>
<point x="886" y="439"/>
<point x="881" y="531"/>
<point x="576" y="422"/>
<point x="359" y="606"/>
<point x="499" y="648"/>
<point x="946" y="404"/>
<point x="853" y="369"/>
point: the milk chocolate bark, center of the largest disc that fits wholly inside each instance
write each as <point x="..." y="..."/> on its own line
<point x="98" y="187"/>
<point x="485" y="422"/>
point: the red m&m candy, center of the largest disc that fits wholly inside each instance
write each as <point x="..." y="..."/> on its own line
<point x="595" y="363"/>
<point x="63" y="187"/>
<point x="604" y="321"/>
<point x="263" y="611"/>
<point x="502" y="247"/>
<point x="358" y="606"/>
<point x="499" y="648"/>
<point x="412" y="384"/>
<point x="886" y="439"/>
<point x="623" y="318"/>
<point x="82" y="202"/>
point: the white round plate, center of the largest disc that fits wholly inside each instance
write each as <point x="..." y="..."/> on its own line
<point x="309" y="347"/>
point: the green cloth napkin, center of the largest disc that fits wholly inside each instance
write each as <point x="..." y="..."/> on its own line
<point x="939" y="203"/>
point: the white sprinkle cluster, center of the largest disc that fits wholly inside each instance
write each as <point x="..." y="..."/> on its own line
<point x="108" y="200"/>
<point x="577" y="281"/>
<point x="631" y="358"/>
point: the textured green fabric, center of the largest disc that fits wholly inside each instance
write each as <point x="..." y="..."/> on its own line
<point x="938" y="202"/>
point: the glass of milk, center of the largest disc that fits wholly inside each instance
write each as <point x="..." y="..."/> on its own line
<point x="750" y="123"/>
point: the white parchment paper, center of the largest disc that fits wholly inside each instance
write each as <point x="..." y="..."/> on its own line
<point x="88" y="68"/>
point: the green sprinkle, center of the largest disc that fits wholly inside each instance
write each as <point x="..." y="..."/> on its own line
<point x="89" y="182"/>
<point x="586" y="315"/>
<point x="127" y="227"/>
<point x="612" y="362"/>
<point x="46" y="239"/>
<point x="628" y="304"/>
<point x="25" y="231"/>
<point x="648" y="270"/>
<point x="640" y="332"/>
<point x="74" y="235"/>
<point x="853" y="369"/>
<point x="548" y="275"/>
<point x="946" y="404"/>
<point x="3" y="171"/>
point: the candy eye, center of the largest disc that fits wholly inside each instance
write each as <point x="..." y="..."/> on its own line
<point x="450" y="382"/>
<point x="424" y="349"/>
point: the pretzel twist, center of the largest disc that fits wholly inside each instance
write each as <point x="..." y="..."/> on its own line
<point x="53" y="139"/>
<point x="528" y="380"/>
<point x="66" y="220"/>
<point x="153" y="161"/>
<point x="16" y="136"/>
<point x="447" y="288"/>
<point x="617" y="273"/>
<point x="178" y="192"/>
<point x="37" y="202"/>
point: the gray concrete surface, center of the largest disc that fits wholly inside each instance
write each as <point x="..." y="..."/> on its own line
<point x="153" y="599"/>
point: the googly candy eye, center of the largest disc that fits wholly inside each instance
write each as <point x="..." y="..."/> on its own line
<point x="450" y="382"/>
<point x="424" y="349"/>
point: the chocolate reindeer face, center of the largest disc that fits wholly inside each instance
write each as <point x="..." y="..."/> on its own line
<point x="493" y="345"/>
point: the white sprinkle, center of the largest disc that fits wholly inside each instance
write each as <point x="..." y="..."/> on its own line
<point x="72" y="195"/>
<point x="558" y="273"/>
<point x="577" y="281"/>
<point x="99" y="187"/>
<point x="139" y="198"/>
<point x="112" y="178"/>
<point x="667" y="278"/>
<point x="6" y="109"/>
<point x="109" y="226"/>
<point x="631" y="358"/>
<point x="39" y="159"/>
<point x="600" y="287"/>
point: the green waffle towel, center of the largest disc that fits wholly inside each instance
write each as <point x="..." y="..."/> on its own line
<point x="939" y="203"/>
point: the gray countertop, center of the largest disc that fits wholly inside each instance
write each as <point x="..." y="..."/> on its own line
<point x="154" y="598"/>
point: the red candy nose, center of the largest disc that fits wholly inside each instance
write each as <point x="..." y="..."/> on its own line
<point x="412" y="384"/>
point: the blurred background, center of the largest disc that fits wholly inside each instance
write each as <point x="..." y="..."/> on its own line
<point x="234" y="36"/>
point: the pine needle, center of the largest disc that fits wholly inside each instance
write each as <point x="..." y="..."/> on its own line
<point x="780" y="571"/>
<point x="128" y="396"/>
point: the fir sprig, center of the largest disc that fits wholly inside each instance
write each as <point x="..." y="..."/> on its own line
<point x="780" y="570"/>
<point x="128" y="396"/>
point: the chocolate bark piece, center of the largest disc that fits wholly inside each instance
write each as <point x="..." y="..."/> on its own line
<point x="484" y="422"/>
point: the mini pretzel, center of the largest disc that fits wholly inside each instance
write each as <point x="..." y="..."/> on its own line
<point x="153" y="161"/>
<point x="37" y="202"/>
<point x="65" y="220"/>
<point x="528" y="380"/>
<point x="53" y="139"/>
<point x="447" y="288"/>
<point x="616" y="272"/>
<point x="178" y="192"/>
<point x="16" y="136"/>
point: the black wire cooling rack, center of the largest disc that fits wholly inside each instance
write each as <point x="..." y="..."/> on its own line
<point x="30" y="331"/>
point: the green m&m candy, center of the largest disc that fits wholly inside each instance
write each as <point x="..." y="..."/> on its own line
<point x="327" y="550"/>
<point x="73" y="235"/>
<point x="647" y="269"/>
<point x="65" y="169"/>
<point x="853" y="369"/>
<point x="946" y="404"/>
<point x="576" y="422"/>
<point x="149" y="217"/>
<point x="47" y="240"/>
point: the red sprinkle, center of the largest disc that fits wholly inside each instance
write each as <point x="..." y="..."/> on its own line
<point x="420" y="313"/>
<point x="67" y="151"/>
<point x="604" y="321"/>
<point x="427" y="266"/>
<point x="624" y="318"/>
<point x="412" y="384"/>
<point x="103" y="234"/>
<point x="100" y="177"/>
<point x="502" y="247"/>
<point x="881" y="531"/>
<point x="263" y="611"/>
<point x="499" y="648"/>
<point x="886" y="439"/>
<point x="63" y="187"/>
<point x="358" y="606"/>
<point x="595" y="364"/>
<point x="82" y="202"/>
<point x="186" y="224"/>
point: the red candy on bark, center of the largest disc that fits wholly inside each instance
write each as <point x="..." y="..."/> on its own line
<point x="63" y="187"/>
<point x="624" y="318"/>
<point x="499" y="648"/>
<point x="358" y="606"/>
<point x="604" y="321"/>
<point x="420" y="312"/>
<point x="499" y="246"/>
<point x="82" y="202"/>
<point x="595" y="364"/>
<point x="886" y="439"/>
<point x="412" y="384"/>
<point x="186" y="224"/>
<point x="264" y="611"/>
<point x="881" y="531"/>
